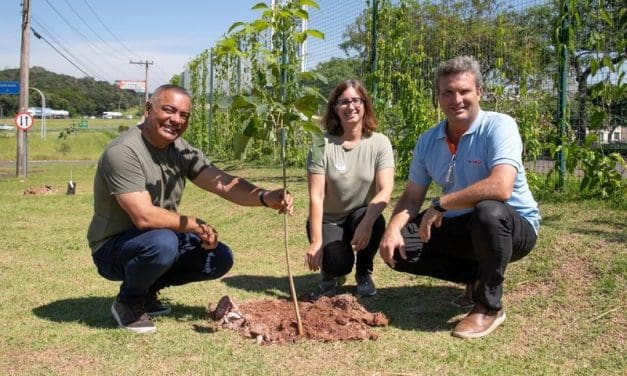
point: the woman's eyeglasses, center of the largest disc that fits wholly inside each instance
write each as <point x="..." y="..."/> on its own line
<point x="345" y="102"/>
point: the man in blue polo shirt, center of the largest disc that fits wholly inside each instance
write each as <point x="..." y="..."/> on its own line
<point x="486" y="216"/>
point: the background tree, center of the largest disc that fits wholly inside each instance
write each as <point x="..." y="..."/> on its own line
<point x="276" y="99"/>
<point x="597" y="58"/>
<point x="79" y="96"/>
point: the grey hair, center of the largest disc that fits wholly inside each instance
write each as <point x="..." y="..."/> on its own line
<point x="459" y="64"/>
<point x="168" y="87"/>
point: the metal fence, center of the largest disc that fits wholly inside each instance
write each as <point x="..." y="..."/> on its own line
<point x="517" y="42"/>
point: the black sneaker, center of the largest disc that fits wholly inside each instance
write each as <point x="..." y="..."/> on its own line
<point x="154" y="306"/>
<point x="328" y="284"/>
<point x="365" y="285"/>
<point x="132" y="317"/>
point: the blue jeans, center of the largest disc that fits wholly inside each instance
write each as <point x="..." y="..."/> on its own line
<point x="148" y="261"/>
<point x="473" y="248"/>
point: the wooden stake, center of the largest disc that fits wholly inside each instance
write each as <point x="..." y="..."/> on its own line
<point x="287" y="254"/>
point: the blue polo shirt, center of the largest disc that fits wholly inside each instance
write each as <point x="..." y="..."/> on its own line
<point x="492" y="139"/>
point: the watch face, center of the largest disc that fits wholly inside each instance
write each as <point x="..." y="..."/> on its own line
<point x="435" y="203"/>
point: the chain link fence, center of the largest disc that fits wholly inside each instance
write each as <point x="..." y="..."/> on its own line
<point x="395" y="46"/>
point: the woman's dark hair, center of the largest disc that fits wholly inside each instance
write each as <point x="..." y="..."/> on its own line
<point x="331" y="122"/>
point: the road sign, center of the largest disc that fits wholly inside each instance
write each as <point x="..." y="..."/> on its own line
<point x="23" y="120"/>
<point x="10" y="87"/>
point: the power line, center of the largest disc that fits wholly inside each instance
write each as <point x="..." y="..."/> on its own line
<point x="39" y="36"/>
<point x="109" y="30"/>
<point x="92" y="30"/>
<point x="51" y="35"/>
<point x="68" y="23"/>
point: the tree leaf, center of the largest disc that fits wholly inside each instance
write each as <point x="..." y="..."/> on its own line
<point x="310" y="3"/>
<point x="224" y="102"/>
<point x="260" y="6"/>
<point x="234" y="26"/>
<point x="239" y="145"/>
<point x="317" y="144"/>
<point x="315" y="33"/>
<point x="307" y="104"/>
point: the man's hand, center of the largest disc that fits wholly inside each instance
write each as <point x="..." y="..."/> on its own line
<point x="431" y="217"/>
<point x="276" y="200"/>
<point x="392" y="240"/>
<point x="207" y="234"/>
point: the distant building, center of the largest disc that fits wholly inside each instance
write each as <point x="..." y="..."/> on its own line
<point x="132" y="85"/>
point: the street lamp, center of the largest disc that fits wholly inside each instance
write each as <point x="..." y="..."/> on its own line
<point x="43" y="113"/>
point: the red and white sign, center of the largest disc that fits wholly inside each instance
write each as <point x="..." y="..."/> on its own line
<point x="23" y="120"/>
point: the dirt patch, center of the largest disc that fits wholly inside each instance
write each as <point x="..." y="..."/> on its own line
<point x="46" y="189"/>
<point x="335" y="318"/>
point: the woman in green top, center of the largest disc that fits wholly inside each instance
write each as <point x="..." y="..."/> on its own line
<point x="350" y="180"/>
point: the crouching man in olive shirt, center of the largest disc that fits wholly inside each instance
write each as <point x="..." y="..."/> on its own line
<point x="137" y="235"/>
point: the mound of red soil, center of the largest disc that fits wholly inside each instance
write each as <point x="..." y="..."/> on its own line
<point x="337" y="318"/>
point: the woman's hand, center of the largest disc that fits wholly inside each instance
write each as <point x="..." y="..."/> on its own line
<point x="361" y="237"/>
<point x="313" y="257"/>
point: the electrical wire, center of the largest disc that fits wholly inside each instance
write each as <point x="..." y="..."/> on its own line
<point x="94" y="31"/>
<point x="95" y="49"/>
<point x="55" y="40"/>
<point x="39" y="36"/>
<point x="109" y="30"/>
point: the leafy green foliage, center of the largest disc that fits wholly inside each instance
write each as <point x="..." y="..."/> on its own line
<point x="277" y="96"/>
<point x="78" y="96"/>
<point x="198" y="131"/>
<point x="402" y="83"/>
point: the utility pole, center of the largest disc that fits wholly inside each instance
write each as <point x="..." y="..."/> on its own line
<point x="21" y="161"/>
<point x="146" y="64"/>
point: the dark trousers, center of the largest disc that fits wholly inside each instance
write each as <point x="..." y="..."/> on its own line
<point x="338" y="257"/>
<point x="474" y="248"/>
<point x="148" y="261"/>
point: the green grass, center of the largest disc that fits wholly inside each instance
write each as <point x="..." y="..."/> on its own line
<point x="565" y="301"/>
<point x="82" y="144"/>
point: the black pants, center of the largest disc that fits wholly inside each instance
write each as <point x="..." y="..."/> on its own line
<point x="338" y="257"/>
<point x="474" y="248"/>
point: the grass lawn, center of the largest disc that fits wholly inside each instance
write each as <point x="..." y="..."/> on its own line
<point x="565" y="302"/>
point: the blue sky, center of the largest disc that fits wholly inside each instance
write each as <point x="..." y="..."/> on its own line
<point x="169" y="33"/>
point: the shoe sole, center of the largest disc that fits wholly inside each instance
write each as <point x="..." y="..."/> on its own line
<point x="339" y="282"/>
<point x="134" y="330"/>
<point x="368" y="295"/>
<point x="497" y="322"/>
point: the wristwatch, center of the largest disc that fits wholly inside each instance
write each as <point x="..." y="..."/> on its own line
<point x="435" y="203"/>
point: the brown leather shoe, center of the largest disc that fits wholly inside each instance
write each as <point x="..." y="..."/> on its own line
<point x="480" y="322"/>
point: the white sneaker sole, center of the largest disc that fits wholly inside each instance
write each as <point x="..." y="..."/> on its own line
<point x="497" y="322"/>
<point x="134" y="330"/>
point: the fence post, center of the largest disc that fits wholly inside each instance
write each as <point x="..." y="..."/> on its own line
<point x="562" y="110"/>
<point x="210" y="100"/>
<point x="373" y="54"/>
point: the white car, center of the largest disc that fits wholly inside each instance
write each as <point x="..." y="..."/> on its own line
<point x="6" y="127"/>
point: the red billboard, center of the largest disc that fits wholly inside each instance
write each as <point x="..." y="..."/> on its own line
<point x="134" y="85"/>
